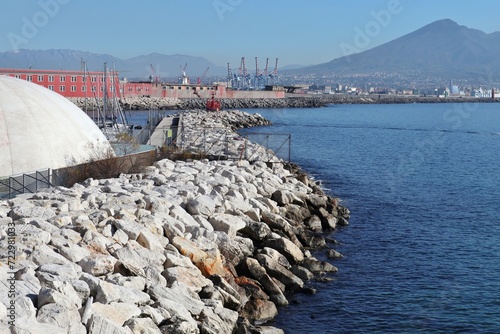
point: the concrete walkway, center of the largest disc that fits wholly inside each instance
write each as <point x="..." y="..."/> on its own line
<point x="161" y="134"/>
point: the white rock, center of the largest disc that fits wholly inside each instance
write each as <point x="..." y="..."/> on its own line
<point x="3" y="311"/>
<point x="150" y="241"/>
<point x="129" y="227"/>
<point x="32" y="326"/>
<point x="180" y="293"/>
<point x="64" y="295"/>
<point x="180" y="214"/>
<point x="118" y="313"/>
<point x="131" y="282"/>
<point x="201" y="205"/>
<point x="44" y="254"/>
<point x="227" y="223"/>
<point x="142" y="326"/>
<point x="99" y="324"/>
<point x="67" y="319"/>
<point x="176" y="310"/>
<point x="98" y="264"/>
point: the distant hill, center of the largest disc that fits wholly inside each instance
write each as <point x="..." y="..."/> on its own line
<point x="442" y="48"/>
<point x="141" y="67"/>
<point x="439" y="51"/>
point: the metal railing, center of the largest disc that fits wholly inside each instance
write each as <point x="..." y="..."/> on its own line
<point x="277" y="145"/>
<point x="223" y="143"/>
<point x="25" y="183"/>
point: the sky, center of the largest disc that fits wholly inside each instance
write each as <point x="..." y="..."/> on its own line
<point x="224" y="31"/>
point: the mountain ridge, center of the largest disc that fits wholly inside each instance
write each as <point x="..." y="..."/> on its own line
<point x="441" y="48"/>
<point x="141" y="66"/>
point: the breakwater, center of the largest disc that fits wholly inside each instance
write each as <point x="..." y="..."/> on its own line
<point x="298" y="101"/>
<point x="183" y="247"/>
<point x="295" y="101"/>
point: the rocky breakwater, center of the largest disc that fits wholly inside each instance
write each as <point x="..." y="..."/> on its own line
<point x="130" y="103"/>
<point x="240" y="103"/>
<point x="184" y="247"/>
<point x="214" y="134"/>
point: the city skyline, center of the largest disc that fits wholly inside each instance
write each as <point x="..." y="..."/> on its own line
<point x="223" y="31"/>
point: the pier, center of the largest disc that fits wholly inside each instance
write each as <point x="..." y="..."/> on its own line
<point x="165" y="132"/>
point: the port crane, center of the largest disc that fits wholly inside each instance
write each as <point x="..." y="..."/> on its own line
<point x="242" y="79"/>
<point x="184" y="79"/>
<point x="203" y="76"/>
<point x="154" y="78"/>
<point x="274" y="74"/>
<point x="229" y="76"/>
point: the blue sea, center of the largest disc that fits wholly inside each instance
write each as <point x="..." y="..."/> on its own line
<point x="422" y="182"/>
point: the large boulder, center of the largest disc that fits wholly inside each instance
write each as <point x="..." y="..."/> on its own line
<point x="293" y="253"/>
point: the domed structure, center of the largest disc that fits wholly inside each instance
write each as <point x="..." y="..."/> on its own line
<point x="41" y="129"/>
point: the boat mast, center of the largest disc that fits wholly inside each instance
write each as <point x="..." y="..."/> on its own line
<point x="116" y="103"/>
<point x="105" y="91"/>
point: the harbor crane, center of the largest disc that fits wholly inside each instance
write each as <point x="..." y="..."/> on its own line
<point x="230" y="79"/>
<point x="203" y="76"/>
<point x="184" y="79"/>
<point x="265" y="70"/>
<point x="274" y="74"/>
<point x="154" y="78"/>
<point x="243" y="79"/>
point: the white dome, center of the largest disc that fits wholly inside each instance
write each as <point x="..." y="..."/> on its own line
<point x="41" y="129"/>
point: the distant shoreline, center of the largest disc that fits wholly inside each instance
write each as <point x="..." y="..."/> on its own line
<point x="291" y="101"/>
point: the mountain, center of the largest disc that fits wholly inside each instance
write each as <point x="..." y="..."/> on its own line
<point x="442" y="48"/>
<point x="141" y="67"/>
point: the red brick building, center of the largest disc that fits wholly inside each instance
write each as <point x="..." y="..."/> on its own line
<point x="70" y="83"/>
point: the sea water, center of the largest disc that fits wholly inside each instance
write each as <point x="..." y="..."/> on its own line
<point x="422" y="182"/>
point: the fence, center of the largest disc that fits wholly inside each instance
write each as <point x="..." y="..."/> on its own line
<point x="277" y="145"/>
<point x="145" y="133"/>
<point x="67" y="176"/>
<point x="222" y="143"/>
<point x="25" y="183"/>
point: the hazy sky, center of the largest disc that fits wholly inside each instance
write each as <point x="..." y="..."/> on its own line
<point x="297" y="32"/>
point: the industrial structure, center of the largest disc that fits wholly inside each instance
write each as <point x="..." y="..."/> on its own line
<point x="245" y="80"/>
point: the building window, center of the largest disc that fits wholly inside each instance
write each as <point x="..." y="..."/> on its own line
<point x="130" y="89"/>
<point x="62" y="78"/>
<point x="62" y="88"/>
<point x="51" y="78"/>
<point x="18" y="76"/>
<point x="84" y="89"/>
<point x="73" y="79"/>
<point x="102" y="79"/>
<point x="29" y="78"/>
<point x="102" y="89"/>
<point x="40" y="78"/>
<point x="93" y="88"/>
<point x="51" y="87"/>
<point x="73" y="88"/>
